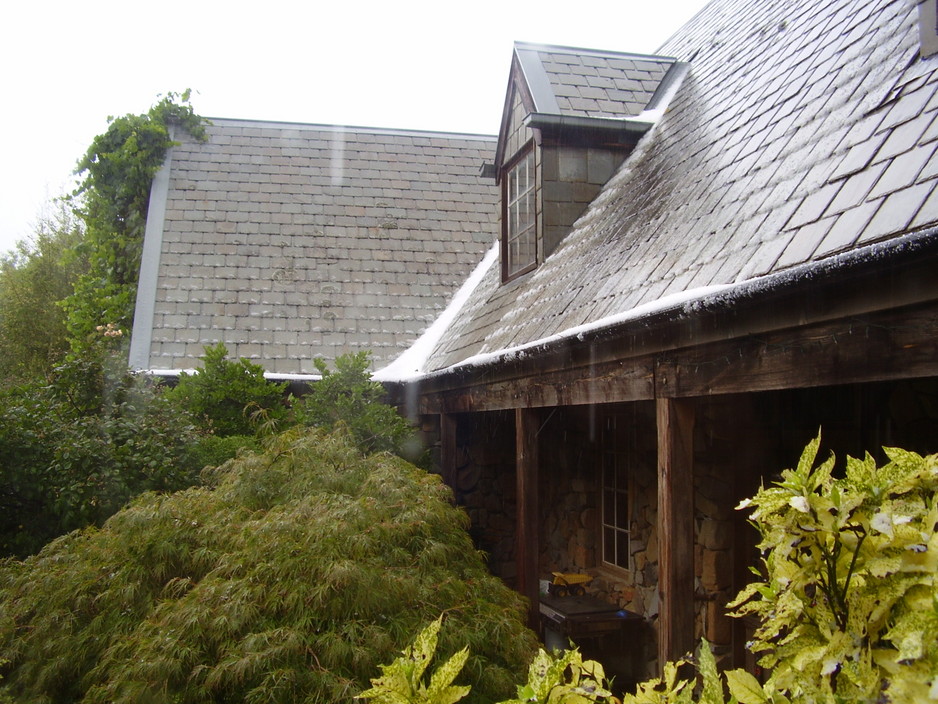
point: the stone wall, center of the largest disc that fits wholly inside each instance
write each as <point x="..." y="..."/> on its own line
<point x="484" y="482"/>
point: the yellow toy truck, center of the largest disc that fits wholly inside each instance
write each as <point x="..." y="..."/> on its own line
<point x="569" y="583"/>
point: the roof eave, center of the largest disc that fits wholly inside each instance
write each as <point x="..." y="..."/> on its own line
<point x="852" y="283"/>
<point x="617" y="125"/>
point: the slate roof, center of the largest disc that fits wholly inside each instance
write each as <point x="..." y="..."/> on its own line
<point x="573" y="82"/>
<point x="803" y="129"/>
<point x="288" y="242"/>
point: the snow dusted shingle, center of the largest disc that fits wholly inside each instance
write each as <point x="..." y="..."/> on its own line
<point x="586" y="83"/>
<point x="288" y="242"/>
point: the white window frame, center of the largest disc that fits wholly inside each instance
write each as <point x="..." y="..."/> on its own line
<point x="519" y="215"/>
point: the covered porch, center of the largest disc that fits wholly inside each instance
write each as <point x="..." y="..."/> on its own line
<point x="623" y="452"/>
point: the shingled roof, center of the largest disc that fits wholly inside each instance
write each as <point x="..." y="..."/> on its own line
<point x="803" y="135"/>
<point x="588" y="83"/>
<point x="288" y="242"/>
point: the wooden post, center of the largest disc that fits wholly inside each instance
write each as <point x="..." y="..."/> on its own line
<point x="675" y="528"/>
<point x="448" y="450"/>
<point x="527" y="549"/>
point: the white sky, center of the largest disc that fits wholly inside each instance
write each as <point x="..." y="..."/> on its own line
<point x="65" y="66"/>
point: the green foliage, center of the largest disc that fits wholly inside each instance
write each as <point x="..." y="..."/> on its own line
<point x="849" y="607"/>
<point x="563" y="678"/>
<point x="348" y="396"/>
<point x="76" y="449"/>
<point x="402" y="682"/>
<point x="553" y="678"/>
<point x="670" y="688"/>
<point x="213" y="450"/>
<point x="112" y="201"/>
<point x="230" y="397"/>
<point x="848" y="602"/>
<point x="33" y="279"/>
<point x="289" y="578"/>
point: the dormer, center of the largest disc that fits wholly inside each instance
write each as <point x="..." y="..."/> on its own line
<point x="571" y="117"/>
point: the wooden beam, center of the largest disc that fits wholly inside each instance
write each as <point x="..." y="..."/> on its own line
<point x="448" y="449"/>
<point x="607" y="382"/>
<point x="889" y="345"/>
<point x="895" y="345"/>
<point x="675" y="528"/>
<point x="528" y="524"/>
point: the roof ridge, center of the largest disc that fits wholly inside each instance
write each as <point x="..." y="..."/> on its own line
<point x="582" y="51"/>
<point x="358" y="129"/>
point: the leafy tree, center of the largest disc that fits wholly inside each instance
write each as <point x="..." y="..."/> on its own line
<point x="349" y="397"/>
<point x="230" y="398"/>
<point x="112" y="201"/>
<point x="76" y="449"/>
<point x="289" y="578"/>
<point x="34" y="278"/>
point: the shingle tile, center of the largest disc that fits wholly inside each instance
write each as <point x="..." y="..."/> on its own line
<point x="897" y="212"/>
<point x="856" y="188"/>
<point x="928" y="214"/>
<point x="903" y="170"/>
<point x="847" y="228"/>
<point x="904" y="137"/>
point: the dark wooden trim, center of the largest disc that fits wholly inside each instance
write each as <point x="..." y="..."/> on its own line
<point x="675" y="528"/>
<point x="528" y="544"/>
<point x="448" y="449"/>
<point x="895" y="344"/>
<point x="628" y="380"/>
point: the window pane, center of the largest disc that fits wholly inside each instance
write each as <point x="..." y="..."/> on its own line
<point x="609" y="468"/>
<point x="622" y="473"/>
<point x="615" y="499"/>
<point x="520" y="230"/>
<point x="622" y="550"/>
<point x="622" y="510"/>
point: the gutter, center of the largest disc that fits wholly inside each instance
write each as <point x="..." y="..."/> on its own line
<point x="616" y="125"/>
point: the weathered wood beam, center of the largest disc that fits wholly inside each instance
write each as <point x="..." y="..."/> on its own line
<point x="448" y="449"/>
<point x="898" y="344"/>
<point x="528" y="523"/>
<point x="622" y="380"/>
<point x="675" y="528"/>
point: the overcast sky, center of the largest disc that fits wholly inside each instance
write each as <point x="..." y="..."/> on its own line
<point x="443" y="66"/>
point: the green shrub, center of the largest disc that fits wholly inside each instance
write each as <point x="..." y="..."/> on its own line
<point x="553" y="678"/>
<point x="230" y="397"/>
<point x="848" y="594"/>
<point x="212" y="450"/>
<point x="849" y="604"/>
<point x="289" y="578"/>
<point x="75" y="450"/>
<point x="117" y="171"/>
<point x="349" y="397"/>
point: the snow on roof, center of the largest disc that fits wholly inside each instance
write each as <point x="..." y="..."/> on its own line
<point x="411" y="363"/>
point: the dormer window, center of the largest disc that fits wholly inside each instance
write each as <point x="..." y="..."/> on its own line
<point x="519" y="232"/>
<point x="571" y="117"/>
